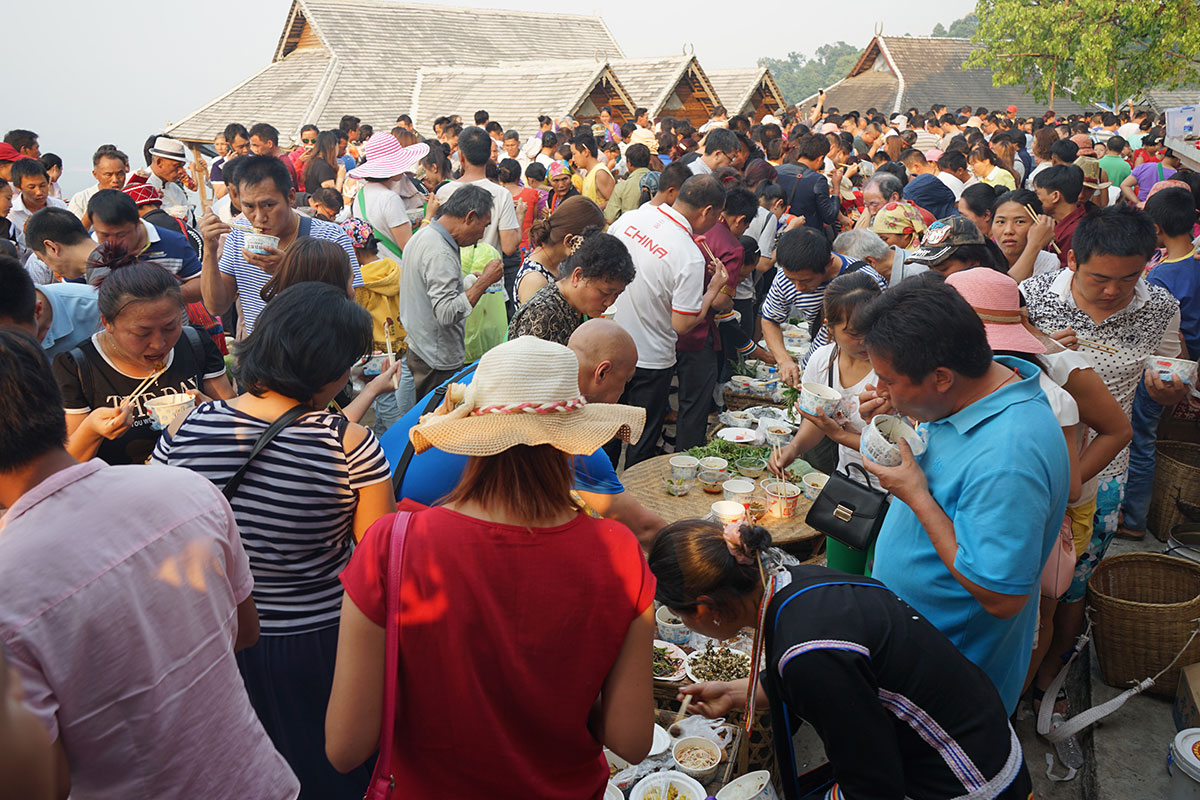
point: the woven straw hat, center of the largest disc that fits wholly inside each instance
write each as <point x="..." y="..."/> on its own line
<point x="525" y="391"/>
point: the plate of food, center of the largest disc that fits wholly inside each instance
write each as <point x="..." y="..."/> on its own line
<point x="739" y="435"/>
<point x="670" y="662"/>
<point x="717" y="663"/>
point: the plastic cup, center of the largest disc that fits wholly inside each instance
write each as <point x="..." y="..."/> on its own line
<point x="261" y="243"/>
<point x="684" y="466"/>
<point x="782" y="499"/>
<point x="675" y="485"/>
<point x="711" y="480"/>
<point x="165" y="408"/>
<point x="880" y="440"/>
<point x="813" y="483"/>
<point x="818" y="396"/>
<point x="714" y="463"/>
<point x="751" y="467"/>
<point x="738" y="490"/>
<point x="727" y="511"/>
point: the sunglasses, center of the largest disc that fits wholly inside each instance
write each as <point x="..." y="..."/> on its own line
<point x="308" y="141"/>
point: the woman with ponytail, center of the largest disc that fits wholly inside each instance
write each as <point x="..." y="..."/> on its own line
<point x="145" y="343"/>
<point x="845" y="654"/>
<point x="553" y="238"/>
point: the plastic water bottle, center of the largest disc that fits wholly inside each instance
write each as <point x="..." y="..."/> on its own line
<point x="1069" y="752"/>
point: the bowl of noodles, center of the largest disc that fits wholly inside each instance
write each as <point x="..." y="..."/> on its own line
<point x="668" y="786"/>
<point x="697" y="757"/>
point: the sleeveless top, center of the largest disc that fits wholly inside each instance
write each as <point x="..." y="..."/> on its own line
<point x="528" y="266"/>
<point x="589" y="182"/>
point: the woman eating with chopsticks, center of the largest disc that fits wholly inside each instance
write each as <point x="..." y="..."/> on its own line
<point x="901" y="712"/>
<point x="144" y="351"/>
<point x="1024" y="233"/>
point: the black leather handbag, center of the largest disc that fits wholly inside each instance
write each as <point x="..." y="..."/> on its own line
<point x="848" y="510"/>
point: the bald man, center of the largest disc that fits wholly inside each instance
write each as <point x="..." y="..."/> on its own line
<point x="607" y="357"/>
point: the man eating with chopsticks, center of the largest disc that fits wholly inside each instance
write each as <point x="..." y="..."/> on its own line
<point x="1102" y="307"/>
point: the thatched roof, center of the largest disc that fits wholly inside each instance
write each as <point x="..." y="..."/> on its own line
<point x="752" y="91"/>
<point x="515" y="93"/>
<point x="674" y="85"/>
<point x="362" y="57"/>
<point x="895" y="73"/>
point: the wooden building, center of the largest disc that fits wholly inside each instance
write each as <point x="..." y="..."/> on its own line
<point x="362" y="57"/>
<point x="747" y="91"/>
<point x="674" y="86"/>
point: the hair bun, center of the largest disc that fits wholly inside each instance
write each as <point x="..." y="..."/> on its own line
<point x="111" y="257"/>
<point x="755" y="539"/>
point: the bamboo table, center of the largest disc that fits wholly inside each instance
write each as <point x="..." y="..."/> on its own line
<point x="644" y="482"/>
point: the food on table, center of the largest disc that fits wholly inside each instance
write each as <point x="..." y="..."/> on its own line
<point x="656" y="793"/>
<point x="665" y="665"/>
<point x="695" y="757"/>
<point x="757" y="509"/>
<point x="719" y="664"/>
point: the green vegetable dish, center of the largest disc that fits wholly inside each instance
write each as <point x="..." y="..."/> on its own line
<point x="664" y="664"/>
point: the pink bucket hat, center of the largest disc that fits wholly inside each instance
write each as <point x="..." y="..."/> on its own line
<point x="995" y="298"/>
<point x="386" y="158"/>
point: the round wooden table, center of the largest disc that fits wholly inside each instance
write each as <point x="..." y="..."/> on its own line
<point x="644" y="482"/>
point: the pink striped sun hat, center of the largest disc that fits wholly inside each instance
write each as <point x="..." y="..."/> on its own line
<point x="995" y="298"/>
<point x="386" y="158"/>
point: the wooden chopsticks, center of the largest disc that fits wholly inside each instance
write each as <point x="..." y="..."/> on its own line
<point x="1034" y="215"/>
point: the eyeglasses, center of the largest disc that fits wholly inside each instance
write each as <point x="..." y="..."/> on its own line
<point x="308" y="141"/>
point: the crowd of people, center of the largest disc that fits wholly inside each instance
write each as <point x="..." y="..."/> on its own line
<point x="325" y="475"/>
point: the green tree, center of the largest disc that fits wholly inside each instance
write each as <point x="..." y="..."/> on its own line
<point x="963" y="28"/>
<point x="799" y="76"/>
<point x="939" y="31"/>
<point x="1101" y="51"/>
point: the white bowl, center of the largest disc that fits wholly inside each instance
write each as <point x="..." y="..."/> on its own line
<point x="813" y="483"/>
<point x="673" y="632"/>
<point x="714" y="463"/>
<point x="702" y="774"/>
<point x="1179" y="369"/>
<point x="260" y="242"/>
<point x="165" y="408"/>
<point x="619" y="764"/>
<point x="688" y="788"/>
<point x="661" y="742"/>
<point x="740" y="383"/>
<point x="775" y="432"/>
<point x="742" y="418"/>
<point x="751" y="786"/>
<point x="814" y="396"/>
<point x="879" y="440"/>
<point x="611" y="792"/>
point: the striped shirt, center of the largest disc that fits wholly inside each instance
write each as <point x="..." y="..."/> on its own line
<point x="295" y="507"/>
<point x="784" y="301"/>
<point x="250" y="279"/>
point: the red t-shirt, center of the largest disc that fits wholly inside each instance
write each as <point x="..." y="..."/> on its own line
<point x="1064" y="232"/>
<point x="725" y="246"/>
<point x="530" y="196"/>
<point x="506" y="636"/>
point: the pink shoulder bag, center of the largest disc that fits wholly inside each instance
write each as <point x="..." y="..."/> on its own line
<point x="1060" y="566"/>
<point x="382" y="782"/>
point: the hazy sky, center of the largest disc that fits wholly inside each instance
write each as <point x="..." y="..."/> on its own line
<point x="119" y="71"/>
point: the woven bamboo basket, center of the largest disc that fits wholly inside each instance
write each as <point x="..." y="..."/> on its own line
<point x="1144" y="607"/>
<point x="1176" y="496"/>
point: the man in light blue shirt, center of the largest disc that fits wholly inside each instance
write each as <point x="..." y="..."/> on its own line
<point x="974" y="517"/>
<point x="61" y="315"/>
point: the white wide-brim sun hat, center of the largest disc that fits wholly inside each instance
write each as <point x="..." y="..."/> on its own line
<point x="525" y="391"/>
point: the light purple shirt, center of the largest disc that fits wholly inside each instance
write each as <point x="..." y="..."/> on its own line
<point x="119" y="589"/>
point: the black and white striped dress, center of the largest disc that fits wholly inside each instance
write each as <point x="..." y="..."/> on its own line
<point x="295" y="507"/>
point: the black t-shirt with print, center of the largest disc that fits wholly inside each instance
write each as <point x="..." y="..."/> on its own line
<point x="96" y="382"/>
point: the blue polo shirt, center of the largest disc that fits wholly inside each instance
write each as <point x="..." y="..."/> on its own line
<point x="999" y="470"/>
<point x="433" y="474"/>
<point x="74" y="316"/>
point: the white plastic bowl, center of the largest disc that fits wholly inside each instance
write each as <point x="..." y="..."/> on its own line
<point x="751" y="786"/>
<point x="705" y="774"/>
<point x="165" y="408"/>
<point x="1179" y="369"/>
<point x="673" y="632"/>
